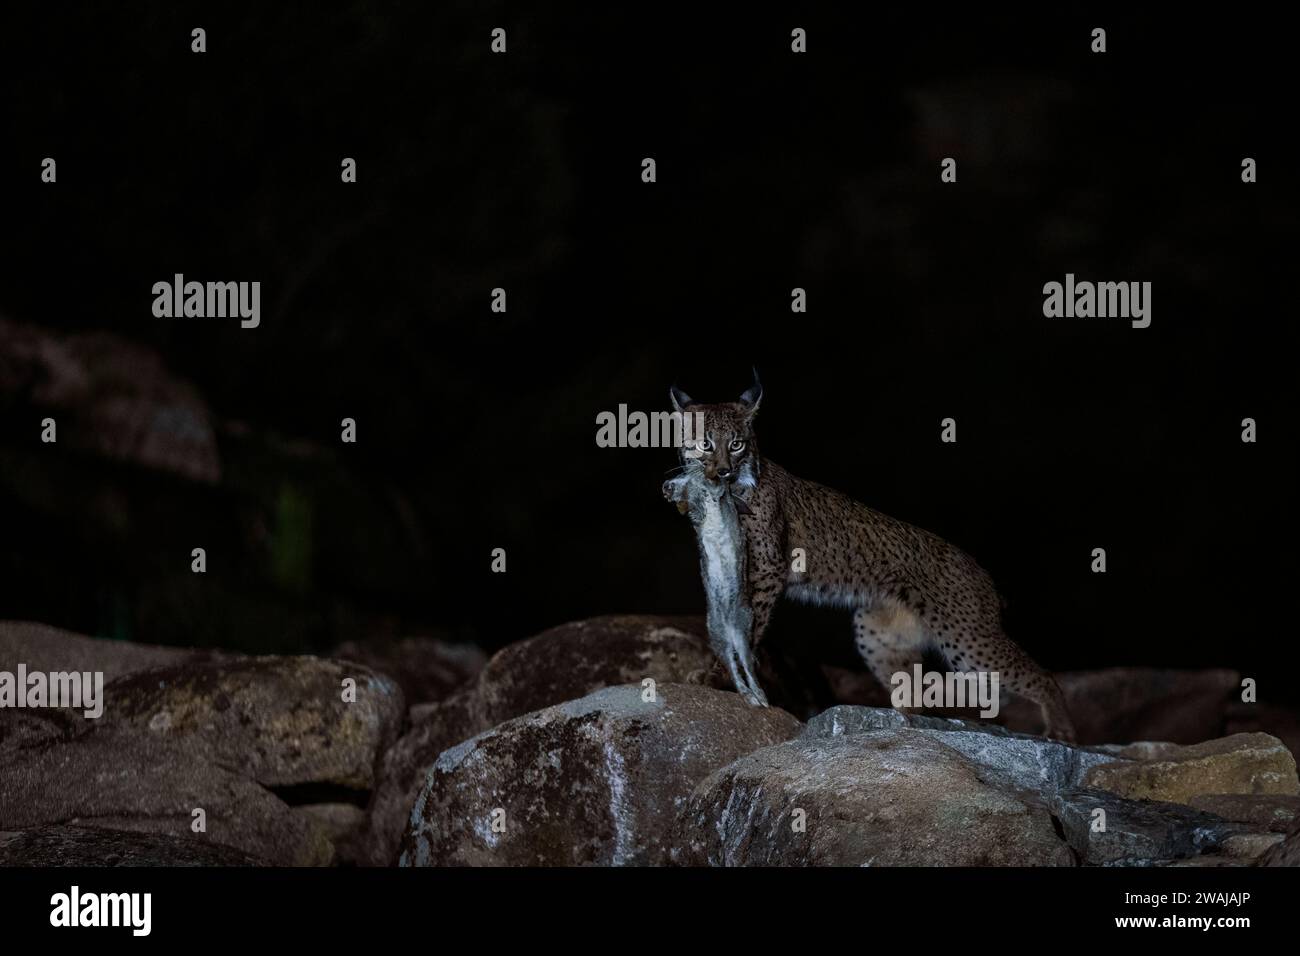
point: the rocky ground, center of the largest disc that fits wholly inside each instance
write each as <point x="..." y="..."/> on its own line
<point x="616" y="741"/>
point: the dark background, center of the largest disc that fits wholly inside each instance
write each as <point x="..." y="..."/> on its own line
<point x="476" y="430"/>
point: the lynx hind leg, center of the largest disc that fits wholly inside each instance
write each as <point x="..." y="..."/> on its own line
<point x="1017" y="674"/>
<point x="1056" y="716"/>
<point x="1042" y="688"/>
<point x="890" y="640"/>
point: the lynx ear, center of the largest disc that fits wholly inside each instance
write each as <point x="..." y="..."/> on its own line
<point x="753" y="395"/>
<point x="679" y="398"/>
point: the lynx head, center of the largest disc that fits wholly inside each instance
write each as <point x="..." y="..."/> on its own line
<point x="719" y="439"/>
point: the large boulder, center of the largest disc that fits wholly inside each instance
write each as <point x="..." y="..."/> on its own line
<point x="71" y="845"/>
<point x="1107" y="830"/>
<point x="47" y="649"/>
<point x="238" y="738"/>
<point x="148" y="785"/>
<point x="35" y="728"/>
<point x="557" y="665"/>
<point x="1270" y="718"/>
<point x="1273" y="812"/>
<point x="402" y="770"/>
<point x="427" y="669"/>
<point x="1018" y="760"/>
<point x="282" y="721"/>
<point x="876" y="786"/>
<point x="344" y="824"/>
<point x="574" y="659"/>
<point x="1240" y="764"/>
<point x="1286" y="853"/>
<point x="1147" y="703"/>
<point x="1120" y="704"/>
<point x="844" y="719"/>
<point x="111" y="397"/>
<point x="881" y="798"/>
<point x="184" y="730"/>
<point x="597" y="780"/>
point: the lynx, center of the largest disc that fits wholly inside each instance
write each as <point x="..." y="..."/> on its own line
<point x="911" y="593"/>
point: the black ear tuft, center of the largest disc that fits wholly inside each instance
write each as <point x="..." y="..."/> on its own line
<point x="754" y="394"/>
<point x="679" y="398"/>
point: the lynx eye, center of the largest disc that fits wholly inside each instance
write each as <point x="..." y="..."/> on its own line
<point x="737" y="444"/>
<point x="705" y="444"/>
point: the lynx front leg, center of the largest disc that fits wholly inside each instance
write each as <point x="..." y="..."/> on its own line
<point x="765" y="582"/>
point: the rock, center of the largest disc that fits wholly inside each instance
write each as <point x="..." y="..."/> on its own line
<point x="1249" y="846"/>
<point x="458" y="714"/>
<point x="344" y="824"/>
<point x="67" y="845"/>
<point x="1146" y="703"/>
<point x="1136" y="832"/>
<point x="1274" y="812"/>
<point x="1033" y="763"/>
<point x="404" y="766"/>
<point x="149" y="785"/>
<point x="1121" y="704"/>
<point x="337" y="819"/>
<point x="115" y="398"/>
<point x="1037" y="779"/>
<point x="858" y="687"/>
<point x="564" y="663"/>
<point x="850" y="719"/>
<point x="1203" y="862"/>
<point x="1137" y="703"/>
<point x="197" y="730"/>
<point x="1286" y="853"/>
<point x="280" y="720"/>
<point x="887" y="798"/>
<point x="597" y="780"/>
<point x="1240" y="764"/>
<point x="27" y="729"/>
<point x="45" y="648"/>
<point x="1281" y="722"/>
<point x="575" y="659"/>
<point x="427" y="669"/>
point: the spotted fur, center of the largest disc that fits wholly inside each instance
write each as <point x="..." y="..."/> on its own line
<point x="911" y="592"/>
